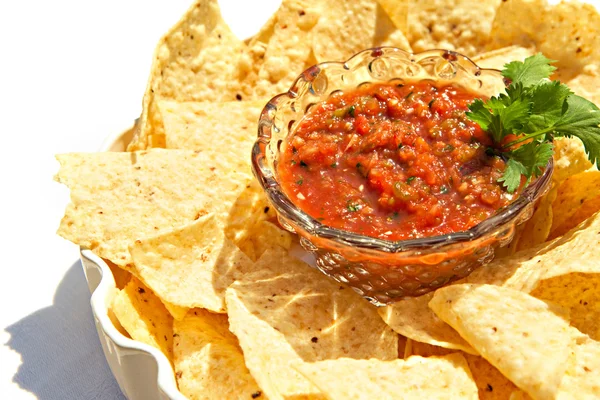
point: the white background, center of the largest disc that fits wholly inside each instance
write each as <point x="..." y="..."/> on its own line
<point x="71" y="73"/>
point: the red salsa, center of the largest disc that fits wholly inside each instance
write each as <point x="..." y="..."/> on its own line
<point x="394" y="162"/>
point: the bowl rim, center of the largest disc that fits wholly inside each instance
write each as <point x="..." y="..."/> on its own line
<point x="165" y="376"/>
<point x="285" y="207"/>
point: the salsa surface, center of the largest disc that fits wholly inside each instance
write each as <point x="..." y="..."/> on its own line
<point x="393" y="161"/>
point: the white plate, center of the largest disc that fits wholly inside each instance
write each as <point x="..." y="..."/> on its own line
<point x="142" y="371"/>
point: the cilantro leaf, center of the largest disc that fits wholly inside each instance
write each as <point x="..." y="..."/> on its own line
<point x="548" y="100"/>
<point x="512" y="175"/>
<point x="529" y="72"/>
<point x="528" y="160"/>
<point x="516" y="91"/>
<point x="581" y="119"/>
<point x="514" y="114"/>
<point x="535" y="110"/>
<point x="533" y="156"/>
<point x="499" y="114"/>
<point x="480" y="114"/>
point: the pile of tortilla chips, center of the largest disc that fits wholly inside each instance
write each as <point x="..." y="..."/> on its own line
<point x="205" y="273"/>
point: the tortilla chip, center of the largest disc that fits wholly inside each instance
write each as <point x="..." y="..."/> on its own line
<point x="517" y="22"/>
<point x="572" y="253"/>
<point x="572" y="35"/>
<point x="387" y="33"/>
<point x="190" y="266"/>
<point x="397" y="11"/>
<point x="190" y="65"/>
<point x="344" y="28"/>
<point x="537" y="229"/>
<point x="587" y="83"/>
<point x="288" y="313"/>
<point x="428" y="350"/>
<point x="111" y="312"/>
<point x="519" y="395"/>
<point x="209" y="363"/>
<point x="569" y="159"/>
<point x="224" y="132"/>
<point x="346" y="378"/>
<point x="264" y="236"/>
<point x="282" y="50"/>
<point x="498" y="58"/>
<point x="413" y="319"/>
<point x="461" y="25"/>
<point x="347" y="27"/>
<point x="491" y="384"/>
<point x="491" y="319"/>
<point x="177" y="312"/>
<point x="122" y="276"/>
<point x="403" y="342"/>
<point x="568" y="32"/>
<point x="117" y="198"/>
<point x="144" y="317"/>
<point x="577" y="292"/>
<point x="578" y="198"/>
<point x="582" y="380"/>
<point x="393" y="38"/>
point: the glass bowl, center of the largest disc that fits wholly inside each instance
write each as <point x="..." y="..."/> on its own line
<point x="380" y="270"/>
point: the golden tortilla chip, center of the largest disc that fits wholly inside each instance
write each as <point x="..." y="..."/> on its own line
<point x="519" y="395"/>
<point x="537" y="229"/>
<point x="572" y="253"/>
<point x="347" y="27"/>
<point x="283" y="49"/>
<point x="209" y="363"/>
<point x="547" y="358"/>
<point x="190" y="64"/>
<point x="263" y="236"/>
<point x="578" y="198"/>
<point x="577" y="292"/>
<point x="177" y="312"/>
<point x="111" y="312"/>
<point x="122" y="276"/>
<point x="517" y="22"/>
<point x="389" y="36"/>
<point x="446" y="377"/>
<point x="568" y="32"/>
<point x="288" y="313"/>
<point x="587" y="83"/>
<point x="569" y="159"/>
<point x="117" y="198"/>
<point x="344" y="28"/>
<point x="190" y="266"/>
<point x="222" y="131"/>
<point x="387" y="33"/>
<point x="498" y="58"/>
<point x="398" y="12"/>
<point x="491" y="384"/>
<point x="461" y="25"/>
<point x="582" y="380"/>
<point x="413" y="319"/>
<point x="534" y="355"/>
<point x="144" y="317"/>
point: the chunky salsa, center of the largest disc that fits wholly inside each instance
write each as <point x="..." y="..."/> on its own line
<point x="394" y="162"/>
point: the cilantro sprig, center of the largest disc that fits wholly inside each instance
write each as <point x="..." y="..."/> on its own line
<point x="534" y="110"/>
